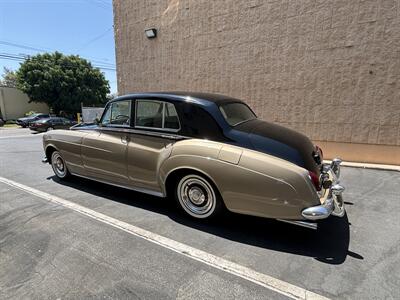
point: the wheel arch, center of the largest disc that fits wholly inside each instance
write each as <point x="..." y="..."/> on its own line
<point x="174" y="174"/>
<point x="49" y="151"/>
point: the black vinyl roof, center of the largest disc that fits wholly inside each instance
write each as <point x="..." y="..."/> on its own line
<point x="182" y="96"/>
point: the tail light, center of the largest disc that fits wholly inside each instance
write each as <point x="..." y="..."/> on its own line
<point x="315" y="180"/>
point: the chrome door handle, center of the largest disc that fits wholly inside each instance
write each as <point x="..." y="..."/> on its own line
<point x="124" y="139"/>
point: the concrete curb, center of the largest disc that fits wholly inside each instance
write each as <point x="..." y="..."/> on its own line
<point x="368" y="166"/>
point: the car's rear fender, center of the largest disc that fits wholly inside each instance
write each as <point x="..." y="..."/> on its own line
<point x="249" y="182"/>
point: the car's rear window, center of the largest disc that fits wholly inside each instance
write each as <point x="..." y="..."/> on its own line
<point x="236" y="113"/>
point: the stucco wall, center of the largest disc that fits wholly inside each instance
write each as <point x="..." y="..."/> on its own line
<point x="14" y="104"/>
<point x="329" y="69"/>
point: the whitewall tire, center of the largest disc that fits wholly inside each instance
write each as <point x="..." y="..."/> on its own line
<point x="197" y="196"/>
<point x="58" y="164"/>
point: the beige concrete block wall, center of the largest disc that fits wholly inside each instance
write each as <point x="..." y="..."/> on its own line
<point x="329" y="69"/>
<point x="14" y="104"/>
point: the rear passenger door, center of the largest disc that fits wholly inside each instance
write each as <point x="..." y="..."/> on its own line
<point x="156" y="127"/>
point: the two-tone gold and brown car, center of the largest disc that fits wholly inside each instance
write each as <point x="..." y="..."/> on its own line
<point x="208" y="151"/>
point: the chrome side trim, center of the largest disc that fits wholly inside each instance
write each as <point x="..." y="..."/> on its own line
<point x="309" y="225"/>
<point x="136" y="189"/>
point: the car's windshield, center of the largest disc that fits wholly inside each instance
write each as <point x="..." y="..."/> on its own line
<point x="236" y="113"/>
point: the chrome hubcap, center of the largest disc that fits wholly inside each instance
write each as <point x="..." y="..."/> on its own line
<point x="196" y="196"/>
<point x="58" y="165"/>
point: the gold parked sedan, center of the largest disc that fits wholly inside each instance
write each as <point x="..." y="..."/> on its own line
<point x="208" y="151"/>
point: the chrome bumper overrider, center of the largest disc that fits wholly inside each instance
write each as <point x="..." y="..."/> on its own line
<point x="333" y="201"/>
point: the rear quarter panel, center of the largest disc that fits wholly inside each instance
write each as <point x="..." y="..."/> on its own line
<point x="249" y="182"/>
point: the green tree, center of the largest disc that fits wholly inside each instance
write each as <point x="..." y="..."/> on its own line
<point x="63" y="82"/>
<point x="9" y="78"/>
<point x="111" y="96"/>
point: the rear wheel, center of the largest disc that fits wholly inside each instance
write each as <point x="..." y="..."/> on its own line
<point x="59" y="166"/>
<point x="49" y="128"/>
<point x="198" y="197"/>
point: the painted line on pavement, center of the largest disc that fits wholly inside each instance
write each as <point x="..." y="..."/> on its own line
<point x="18" y="136"/>
<point x="368" y="165"/>
<point x="217" y="262"/>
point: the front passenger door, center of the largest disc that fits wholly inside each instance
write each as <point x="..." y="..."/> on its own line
<point x="104" y="151"/>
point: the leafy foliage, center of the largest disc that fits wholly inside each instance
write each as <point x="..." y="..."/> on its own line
<point x="9" y="78"/>
<point x="30" y="113"/>
<point x="111" y="96"/>
<point x="63" y="82"/>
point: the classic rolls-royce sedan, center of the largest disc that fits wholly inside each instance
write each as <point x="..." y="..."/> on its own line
<point x="210" y="152"/>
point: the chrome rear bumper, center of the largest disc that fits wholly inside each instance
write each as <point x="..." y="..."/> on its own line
<point x="333" y="201"/>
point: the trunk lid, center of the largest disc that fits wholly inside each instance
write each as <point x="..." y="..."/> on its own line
<point x="281" y="142"/>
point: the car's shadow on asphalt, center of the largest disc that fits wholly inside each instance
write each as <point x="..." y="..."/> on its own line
<point x="329" y="244"/>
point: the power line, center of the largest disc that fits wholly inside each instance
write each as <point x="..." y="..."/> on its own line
<point x="43" y="49"/>
<point x="20" y="58"/>
<point x="22" y="46"/>
<point x="95" y="39"/>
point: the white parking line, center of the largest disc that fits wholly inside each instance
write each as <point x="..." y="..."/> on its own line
<point x="18" y="136"/>
<point x="264" y="280"/>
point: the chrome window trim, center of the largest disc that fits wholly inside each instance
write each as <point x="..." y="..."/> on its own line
<point x="163" y="116"/>
<point x="153" y="133"/>
<point x="158" y="128"/>
<point x="110" y="107"/>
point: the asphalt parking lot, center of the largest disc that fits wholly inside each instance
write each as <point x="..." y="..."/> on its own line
<point x="52" y="251"/>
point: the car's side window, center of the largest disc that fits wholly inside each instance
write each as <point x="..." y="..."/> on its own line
<point x="118" y="113"/>
<point x="149" y="113"/>
<point x="105" y="120"/>
<point x="171" y="119"/>
<point x="157" y="115"/>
